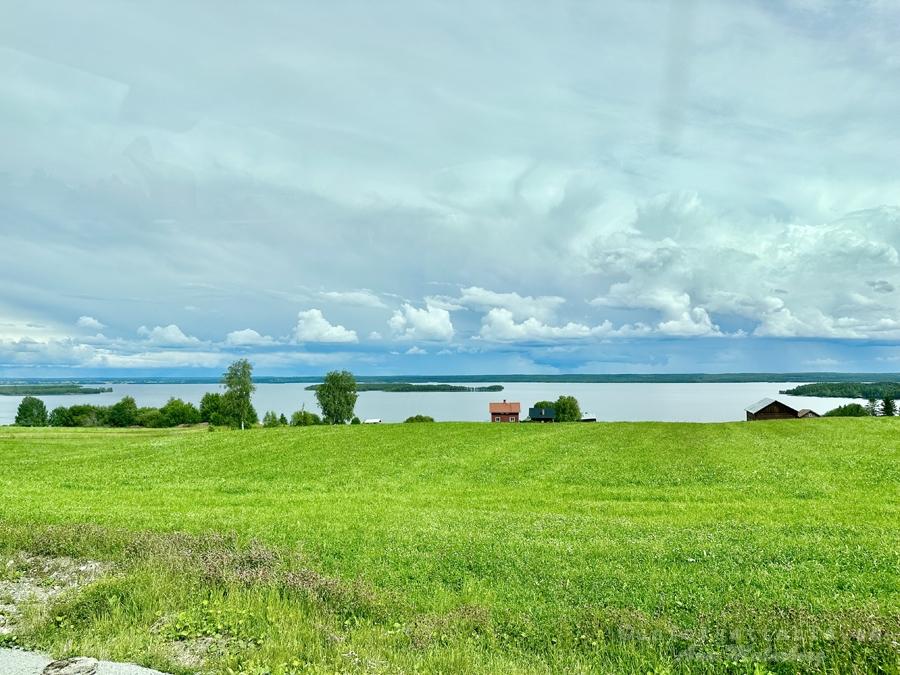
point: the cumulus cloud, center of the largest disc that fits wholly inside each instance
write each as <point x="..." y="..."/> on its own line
<point x="248" y="338"/>
<point x="313" y="327"/>
<point x="169" y="336"/>
<point x="542" y="308"/>
<point x="430" y="324"/>
<point x="89" y="322"/>
<point x="416" y="350"/>
<point x="499" y="326"/>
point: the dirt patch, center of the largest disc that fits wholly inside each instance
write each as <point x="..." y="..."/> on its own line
<point x="34" y="579"/>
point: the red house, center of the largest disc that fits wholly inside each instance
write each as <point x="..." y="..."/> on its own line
<point x="505" y="412"/>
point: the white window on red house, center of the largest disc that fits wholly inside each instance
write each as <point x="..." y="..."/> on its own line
<point x="496" y="419"/>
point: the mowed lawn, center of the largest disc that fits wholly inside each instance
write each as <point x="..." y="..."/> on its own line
<point x="625" y="547"/>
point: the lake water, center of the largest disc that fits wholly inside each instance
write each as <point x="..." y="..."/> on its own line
<point x="695" y="402"/>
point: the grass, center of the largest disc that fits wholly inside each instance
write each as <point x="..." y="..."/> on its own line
<point x="636" y="548"/>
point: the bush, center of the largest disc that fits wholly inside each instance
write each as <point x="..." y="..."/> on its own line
<point x="123" y="414"/>
<point x="849" y="410"/>
<point x="270" y="419"/>
<point x="150" y="418"/>
<point x="31" y="413"/>
<point x="176" y="412"/>
<point x="304" y="418"/>
<point x="60" y="417"/>
<point x="355" y="420"/>
<point x="419" y="418"/>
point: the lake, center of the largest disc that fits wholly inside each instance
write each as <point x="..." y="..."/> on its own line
<point x="694" y="402"/>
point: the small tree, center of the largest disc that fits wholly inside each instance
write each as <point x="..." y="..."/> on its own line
<point x="282" y="420"/>
<point x="304" y="418"/>
<point x="849" y="410"/>
<point x="31" y="413"/>
<point x="270" y="419"/>
<point x="123" y="414"/>
<point x="567" y="409"/>
<point x="888" y="407"/>
<point x="872" y="407"/>
<point x="238" y="381"/>
<point x="60" y="417"/>
<point x="176" y="412"/>
<point x="337" y="397"/>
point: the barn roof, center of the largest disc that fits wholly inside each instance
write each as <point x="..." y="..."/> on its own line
<point x="759" y="405"/>
<point x="505" y="408"/>
<point x="542" y="413"/>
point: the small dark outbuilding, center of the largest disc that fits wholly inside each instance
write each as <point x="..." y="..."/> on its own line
<point x="770" y="409"/>
<point x="542" y="414"/>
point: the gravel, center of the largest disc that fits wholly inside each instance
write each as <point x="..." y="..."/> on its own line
<point x="17" y="662"/>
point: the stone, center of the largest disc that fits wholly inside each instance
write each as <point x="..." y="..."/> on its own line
<point x="80" y="665"/>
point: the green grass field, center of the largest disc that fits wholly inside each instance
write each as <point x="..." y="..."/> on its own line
<point x="457" y="548"/>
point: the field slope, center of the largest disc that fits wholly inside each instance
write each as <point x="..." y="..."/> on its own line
<point x="651" y="547"/>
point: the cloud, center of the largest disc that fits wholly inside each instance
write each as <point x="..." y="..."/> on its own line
<point x="415" y="350"/>
<point x="542" y="308"/>
<point x="429" y="324"/>
<point x="499" y="326"/>
<point x="248" y="338"/>
<point x="89" y="322"/>
<point x="170" y="336"/>
<point x="361" y="298"/>
<point x="375" y="335"/>
<point x="313" y="327"/>
<point x="881" y="286"/>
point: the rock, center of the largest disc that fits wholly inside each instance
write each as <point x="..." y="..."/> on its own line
<point x="80" y="665"/>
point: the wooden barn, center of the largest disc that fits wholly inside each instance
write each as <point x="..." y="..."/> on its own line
<point x="770" y="409"/>
<point x="505" y="412"/>
<point x="542" y="414"/>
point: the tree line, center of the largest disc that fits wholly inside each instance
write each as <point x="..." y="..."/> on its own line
<point x="886" y="407"/>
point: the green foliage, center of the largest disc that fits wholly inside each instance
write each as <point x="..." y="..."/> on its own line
<point x="870" y="390"/>
<point x="176" y="412"/>
<point x="123" y="414"/>
<point x="49" y="389"/>
<point x="282" y="420"/>
<point x="355" y="420"/>
<point x="270" y="419"/>
<point x="419" y="418"/>
<point x="60" y="417"/>
<point x="567" y="409"/>
<point x="238" y="382"/>
<point x="149" y="418"/>
<point x="304" y="418"/>
<point x="31" y="413"/>
<point x="544" y="404"/>
<point x="888" y="407"/>
<point x="337" y="397"/>
<point x="849" y="410"/>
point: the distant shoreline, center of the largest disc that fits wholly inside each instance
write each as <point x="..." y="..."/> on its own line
<point x="573" y="378"/>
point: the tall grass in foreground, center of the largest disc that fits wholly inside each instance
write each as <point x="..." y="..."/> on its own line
<point x="745" y="548"/>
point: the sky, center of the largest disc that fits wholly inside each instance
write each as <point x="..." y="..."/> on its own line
<point x="421" y="187"/>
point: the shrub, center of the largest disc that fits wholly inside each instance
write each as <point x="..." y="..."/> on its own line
<point x="419" y="418"/>
<point x="849" y="410"/>
<point x="60" y="417"/>
<point x="123" y="414"/>
<point x="304" y="418"/>
<point x="176" y="412"/>
<point x="270" y="419"/>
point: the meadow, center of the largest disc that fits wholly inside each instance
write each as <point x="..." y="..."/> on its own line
<point x="769" y="547"/>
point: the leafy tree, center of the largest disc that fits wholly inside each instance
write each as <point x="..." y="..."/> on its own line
<point x="211" y="408"/>
<point x="123" y="414"/>
<point x="888" y="407"/>
<point x="60" y="417"/>
<point x="355" y="420"/>
<point x="849" y="410"/>
<point x="238" y="381"/>
<point x="544" y="404"/>
<point x="176" y="412"/>
<point x="337" y="397"/>
<point x="304" y="418"/>
<point x="282" y="420"/>
<point x="567" y="409"/>
<point x="419" y="418"/>
<point x="149" y="418"/>
<point x="31" y="413"/>
<point x="87" y="415"/>
<point x="270" y="419"/>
